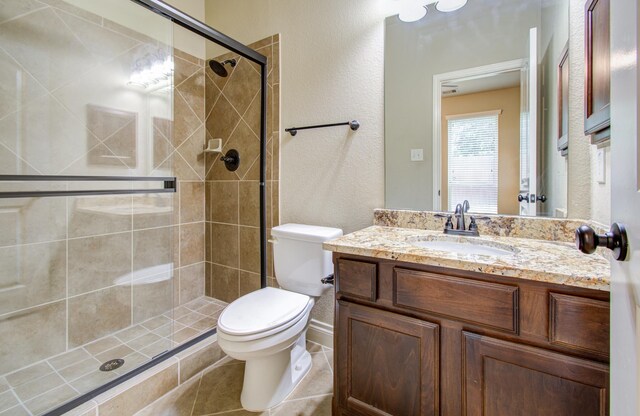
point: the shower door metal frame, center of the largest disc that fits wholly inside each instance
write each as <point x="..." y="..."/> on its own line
<point x="182" y="19"/>
<point x="194" y="25"/>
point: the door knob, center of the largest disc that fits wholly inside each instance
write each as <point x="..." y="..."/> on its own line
<point x="616" y="240"/>
<point x="523" y="197"/>
<point x="542" y="198"/>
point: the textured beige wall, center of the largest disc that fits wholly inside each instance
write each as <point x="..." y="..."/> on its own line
<point x="184" y="39"/>
<point x="331" y="60"/>
<point x="507" y="100"/>
<point x="332" y="69"/>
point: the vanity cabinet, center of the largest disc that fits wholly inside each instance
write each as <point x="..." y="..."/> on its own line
<point x="422" y="340"/>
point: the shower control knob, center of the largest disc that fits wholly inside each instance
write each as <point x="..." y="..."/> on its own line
<point x="231" y="160"/>
<point x="587" y="240"/>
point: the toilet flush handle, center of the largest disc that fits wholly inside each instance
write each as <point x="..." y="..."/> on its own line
<point x="328" y="280"/>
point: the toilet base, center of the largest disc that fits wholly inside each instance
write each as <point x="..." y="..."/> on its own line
<point x="269" y="380"/>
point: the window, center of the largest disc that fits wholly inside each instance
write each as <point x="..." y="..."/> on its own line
<point x="473" y="161"/>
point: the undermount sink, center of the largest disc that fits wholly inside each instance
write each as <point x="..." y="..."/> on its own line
<point x="474" y="248"/>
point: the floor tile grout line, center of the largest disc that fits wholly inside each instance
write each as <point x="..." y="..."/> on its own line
<point x="64" y="382"/>
<point x="324" y="353"/>
<point x="195" y="399"/>
<point x="15" y="396"/>
<point x="91" y="356"/>
<point x="299" y="399"/>
<point x="45" y="361"/>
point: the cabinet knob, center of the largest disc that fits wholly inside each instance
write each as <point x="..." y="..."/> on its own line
<point x="587" y="240"/>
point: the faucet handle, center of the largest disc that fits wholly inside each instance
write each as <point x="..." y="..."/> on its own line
<point x="449" y="224"/>
<point x="472" y="224"/>
<point x="482" y="218"/>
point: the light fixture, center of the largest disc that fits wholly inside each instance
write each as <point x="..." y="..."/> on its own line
<point x="412" y="10"/>
<point x="152" y="71"/>
<point x="450" y="5"/>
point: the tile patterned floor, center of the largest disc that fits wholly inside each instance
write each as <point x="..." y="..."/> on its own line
<point x="216" y="391"/>
<point x="44" y="385"/>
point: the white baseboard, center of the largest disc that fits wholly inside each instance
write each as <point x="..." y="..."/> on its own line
<point x="320" y="333"/>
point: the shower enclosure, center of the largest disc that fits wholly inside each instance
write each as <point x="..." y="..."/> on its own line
<point x="116" y="233"/>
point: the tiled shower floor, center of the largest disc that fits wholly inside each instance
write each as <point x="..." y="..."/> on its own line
<point x="44" y="385"/>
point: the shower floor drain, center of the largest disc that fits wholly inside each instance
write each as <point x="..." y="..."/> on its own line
<point x="112" y="364"/>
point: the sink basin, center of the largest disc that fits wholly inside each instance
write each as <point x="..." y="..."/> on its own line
<point x="475" y="248"/>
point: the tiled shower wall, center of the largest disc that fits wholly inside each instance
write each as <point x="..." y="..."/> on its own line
<point x="232" y="198"/>
<point x="69" y="267"/>
<point x="187" y="144"/>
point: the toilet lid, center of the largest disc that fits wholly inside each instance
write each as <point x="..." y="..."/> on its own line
<point x="261" y="311"/>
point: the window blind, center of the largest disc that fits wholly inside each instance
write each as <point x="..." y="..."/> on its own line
<point x="473" y="161"/>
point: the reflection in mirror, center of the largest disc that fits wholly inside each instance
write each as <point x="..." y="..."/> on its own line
<point x="487" y="93"/>
<point x="480" y="132"/>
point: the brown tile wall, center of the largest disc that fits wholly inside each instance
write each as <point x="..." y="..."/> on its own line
<point x="66" y="263"/>
<point x="232" y="198"/>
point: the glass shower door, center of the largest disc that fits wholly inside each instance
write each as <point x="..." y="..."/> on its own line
<point x="86" y="281"/>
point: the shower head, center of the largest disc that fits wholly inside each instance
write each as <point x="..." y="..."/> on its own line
<point x="219" y="68"/>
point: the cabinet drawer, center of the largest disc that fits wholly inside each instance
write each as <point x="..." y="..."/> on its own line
<point x="357" y="278"/>
<point x="491" y="304"/>
<point x="579" y="323"/>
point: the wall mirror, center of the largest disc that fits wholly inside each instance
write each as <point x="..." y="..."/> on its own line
<point x="474" y="103"/>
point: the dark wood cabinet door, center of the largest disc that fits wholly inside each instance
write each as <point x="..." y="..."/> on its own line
<point x="504" y="378"/>
<point x="597" y="71"/>
<point x="387" y="364"/>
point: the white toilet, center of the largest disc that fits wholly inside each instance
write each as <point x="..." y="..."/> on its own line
<point x="267" y="328"/>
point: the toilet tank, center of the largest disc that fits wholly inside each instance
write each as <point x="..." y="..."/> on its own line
<point x="299" y="260"/>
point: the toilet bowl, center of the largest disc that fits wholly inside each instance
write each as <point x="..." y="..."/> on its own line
<point x="267" y="327"/>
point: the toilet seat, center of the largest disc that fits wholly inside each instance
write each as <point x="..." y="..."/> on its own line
<point x="262" y="313"/>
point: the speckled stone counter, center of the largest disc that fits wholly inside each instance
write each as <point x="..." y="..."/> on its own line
<point x="538" y="228"/>
<point x="545" y="261"/>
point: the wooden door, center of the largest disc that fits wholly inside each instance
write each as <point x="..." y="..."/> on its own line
<point x="387" y="364"/>
<point x="625" y="200"/>
<point x="502" y="378"/>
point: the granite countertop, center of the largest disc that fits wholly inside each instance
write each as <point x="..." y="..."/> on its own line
<point x="539" y="260"/>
